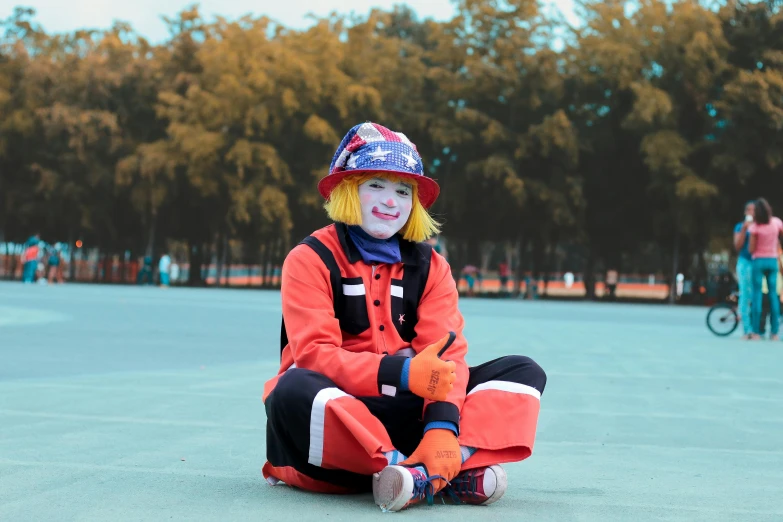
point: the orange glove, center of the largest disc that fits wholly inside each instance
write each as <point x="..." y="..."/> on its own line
<point x="439" y="452"/>
<point x="428" y="376"/>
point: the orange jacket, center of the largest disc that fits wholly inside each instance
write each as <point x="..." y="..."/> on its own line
<point x="360" y="364"/>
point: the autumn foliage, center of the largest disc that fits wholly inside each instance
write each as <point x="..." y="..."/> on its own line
<point x="632" y="140"/>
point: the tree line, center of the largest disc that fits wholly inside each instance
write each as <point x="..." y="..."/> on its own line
<point x="629" y="142"/>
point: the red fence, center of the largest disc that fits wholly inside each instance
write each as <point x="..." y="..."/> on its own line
<point x="117" y="271"/>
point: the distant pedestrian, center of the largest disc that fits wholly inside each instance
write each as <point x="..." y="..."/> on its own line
<point x="55" y="266"/>
<point x="469" y="273"/>
<point x="164" y="268"/>
<point x="612" y="278"/>
<point x="30" y="259"/>
<point x="503" y="275"/>
<point x="745" y="268"/>
<point x="765" y="235"/>
<point x="174" y="272"/>
<point x="145" y="274"/>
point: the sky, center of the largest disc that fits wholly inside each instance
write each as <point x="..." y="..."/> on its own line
<point x="145" y="15"/>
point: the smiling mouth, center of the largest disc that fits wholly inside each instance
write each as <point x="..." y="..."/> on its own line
<point x="388" y="217"/>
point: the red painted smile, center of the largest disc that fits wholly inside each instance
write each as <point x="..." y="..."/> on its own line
<point x="381" y="215"/>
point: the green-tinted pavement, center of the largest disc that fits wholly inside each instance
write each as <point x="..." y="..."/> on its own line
<point x="124" y="403"/>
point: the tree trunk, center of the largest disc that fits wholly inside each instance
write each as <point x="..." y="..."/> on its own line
<point x="547" y="266"/>
<point x="518" y="270"/>
<point x="509" y="252"/>
<point x="675" y="262"/>
<point x="11" y="262"/>
<point x="260" y="260"/>
<point x="455" y="258"/>
<point x="195" y="259"/>
<point x="219" y="258"/>
<point x="537" y="262"/>
<point x="276" y="260"/>
<point x="96" y="276"/>
<point x="264" y="258"/>
<point x="210" y="261"/>
<point x="487" y="249"/>
<point x="72" y="250"/>
<point x="123" y="269"/>
<point x="226" y="262"/>
<point x="589" y="275"/>
<point x="151" y="234"/>
<point x="108" y="265"/>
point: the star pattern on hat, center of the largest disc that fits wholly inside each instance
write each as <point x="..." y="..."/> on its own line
<point x="370" y="147"/>
<point x="410" y="161"/>
<point x="378" y="154"/>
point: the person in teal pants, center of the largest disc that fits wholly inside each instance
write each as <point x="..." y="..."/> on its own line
<point x="765" y="235"/>
<point x="745" y="269"/>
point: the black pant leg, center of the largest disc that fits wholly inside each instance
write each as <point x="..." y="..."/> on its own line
<point x="288" y="412"/>
<point x="401" y="416"/>
<point x="511" y="368"/>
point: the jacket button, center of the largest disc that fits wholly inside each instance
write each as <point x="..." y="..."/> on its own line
<point x="377" y="303"/>
<point x="377" y="276"/>
<point x="381" y="328"/>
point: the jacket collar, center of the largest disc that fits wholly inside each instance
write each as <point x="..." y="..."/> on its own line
<point x="408" y="252"/>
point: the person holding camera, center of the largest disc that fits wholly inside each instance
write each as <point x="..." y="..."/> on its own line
<point x="745" y="269"/>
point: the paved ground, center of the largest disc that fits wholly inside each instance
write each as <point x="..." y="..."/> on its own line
<point x="122" y="403"/>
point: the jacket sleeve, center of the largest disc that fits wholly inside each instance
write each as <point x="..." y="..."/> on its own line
<point x="438" y="314"/>
<point x="314" y="335"/>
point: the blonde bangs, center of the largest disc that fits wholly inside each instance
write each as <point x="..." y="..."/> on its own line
<point x="343" y="206"/>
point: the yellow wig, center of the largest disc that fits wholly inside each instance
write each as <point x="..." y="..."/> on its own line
<point x="344" y="206"/>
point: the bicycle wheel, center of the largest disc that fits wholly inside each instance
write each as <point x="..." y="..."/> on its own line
<point x="722" y="319"/>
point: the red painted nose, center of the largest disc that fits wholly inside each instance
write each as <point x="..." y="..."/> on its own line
<point x="390" y="202"/>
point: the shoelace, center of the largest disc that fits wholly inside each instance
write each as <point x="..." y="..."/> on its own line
<point x="423" y="488"/>
<point x="463" y="486"/>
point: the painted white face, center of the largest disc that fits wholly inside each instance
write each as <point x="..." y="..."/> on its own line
<point x="386" y="206"/>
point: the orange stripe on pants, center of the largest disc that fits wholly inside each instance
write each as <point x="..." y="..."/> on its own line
<point x="354" y="439"/>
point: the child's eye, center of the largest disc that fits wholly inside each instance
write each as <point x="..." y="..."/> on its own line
<point x="376" y="185"/>
<point x="403" y="192"/>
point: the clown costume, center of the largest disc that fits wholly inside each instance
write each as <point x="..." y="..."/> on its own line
<point x="373" y="391"/>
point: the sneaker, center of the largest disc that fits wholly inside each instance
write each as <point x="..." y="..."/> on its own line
<point x="397" y="487"/>
<point x="479" y="487"/>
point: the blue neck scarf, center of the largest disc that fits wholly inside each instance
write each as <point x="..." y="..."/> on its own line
<point x="375" y="250"/>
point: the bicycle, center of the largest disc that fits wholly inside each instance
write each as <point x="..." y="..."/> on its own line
<point x="723" y="318"/>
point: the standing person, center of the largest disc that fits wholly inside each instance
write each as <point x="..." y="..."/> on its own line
<point x="30" y="259"/>
<point x="503" y="274"/>
<point x="469" y="272"/>
<point x="745" y="269"/>
<point x="373" y="355"/>
<point x="164" y="268"/>
<point x="765" y="234"/>
<point x="174" y="272"/>
<point x="765" y="302"/>
<point x="612" y="278"/>
<point x="55" y="272"/>
<point x="145" y="274"/>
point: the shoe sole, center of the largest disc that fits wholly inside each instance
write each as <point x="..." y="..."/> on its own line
<point x="376" y="477"/>
<point x="392" y="488"/>
<point x="501" y="483"/>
